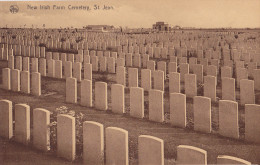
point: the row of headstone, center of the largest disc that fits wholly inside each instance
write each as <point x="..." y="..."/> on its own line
<point x="247" y="94"/>
<point x="21" y="81"/>
<point x="201" y="105"/>
<point x="184" y="68"/>
<point x="114" y="145"/>
<point x="25" y="51"/>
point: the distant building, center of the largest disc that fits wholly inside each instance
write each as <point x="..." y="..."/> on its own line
<point x="99" y="28"/>
<point x="176" y="27"/>
<point x="161" y="26"/>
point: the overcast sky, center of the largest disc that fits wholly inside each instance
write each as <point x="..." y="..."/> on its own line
<point x="137" y="13"/>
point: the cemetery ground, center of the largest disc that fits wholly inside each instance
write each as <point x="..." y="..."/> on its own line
<point x="53" y="99"/>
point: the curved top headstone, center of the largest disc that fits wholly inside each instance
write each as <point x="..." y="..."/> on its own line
<point x="224" y="159"/>
<point x="191" y="155"/>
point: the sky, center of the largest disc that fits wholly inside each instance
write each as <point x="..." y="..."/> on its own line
<point x="135" y="13"/>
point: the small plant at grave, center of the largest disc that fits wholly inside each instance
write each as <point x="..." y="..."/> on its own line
<point x="42" y="45"/>
<point x="13" y="36"/>
<point x="62" y="39"/>
<point x="79" y="128"/>
<point x="36" y="37"/>
<point x="79" y="39"/>
<point x="102" y="78"/>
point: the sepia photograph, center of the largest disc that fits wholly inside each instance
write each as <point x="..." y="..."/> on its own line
<point x="130" y="82"/>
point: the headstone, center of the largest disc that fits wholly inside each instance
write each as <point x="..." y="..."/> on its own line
<point x="94" y="62"/>
<point x="86" y="59"/>
<point x="173" y="59"/>
<point x="58" y="69"/>
<point x="174" y="82"/>
<point x="241" y="74"/>
<point x="191" y="155"/>
<point x="116" y="146"/>
<point x="68" y="69"/>
<point x="42" y="54"/>
<point x="6" y="78"/>
<point x="41" y="130"/>
<point x="226" y="72"/>
<point x="49" y="56"/>
<point x="256" y="76"/>
<point x="51" y="69"/>
<point x="34" y="65"/>
<point x="247" y="92"/>
<point x="145" y="59"/>
<point x="156" y="106"/>
<point x="36" y="84"/>
<point x="88" y="71"/>
<point x="178" y="109"/>
<point x="190" y="85"/>
<point x="172" y="67"/>
<point x="93" y="142"/>
<point x="15" y="80"/>
<point x="224" y="159"/>
<point x="22" y="123"/>
<point x="151" y="66"/>
<point x="118" y="98"/>
<point x="132" y="77"/>
<point x="210" y="87"/>
<point x="146" y="79"/>
<point x="63" y="58"/>
<point x="198" y="71"/>
<point x="251" y="67"/>
<point x="204" y="62"/>
<point x="26" y="64"/>
<point x="79" y="58"/>
<point x="137" y="102"/>
<point x="120" y="62"/>
<point x="252" y="127"/>
<point x="120" y="75"/>
<point x="56" y="56"/>
<point x="42" y="67"/>
<point x="25" y="82"/>
<point x="103" y="64"/>
<point x="18" y="63"/>
<point x="70" y="58"/>
<point x="128" y="60"/>
<point x="158" y="78"/>
<point x="101" y="95"/>
<point x="228" y="89"/>
<point x="161" y="65"/>
<point x="228" y="119"/>
<point x="202" y="114"/>
<point x="11" y="62"/>
<point x="66" y="137"/>
<point x="212" y="71"/>
<point x="150" y="150"/>
<point x="184" y="69"/>
<point x="137" y="61"/>
<point x="111" y="66"/>
<point x="86" y="93"/>
<point x="71" y="90"/>
<point x="77" y="66"/>
<point x="6" y="119"/>
<point x="192" y="60"/>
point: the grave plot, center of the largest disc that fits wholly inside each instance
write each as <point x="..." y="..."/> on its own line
<point x="164" y="90"/>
